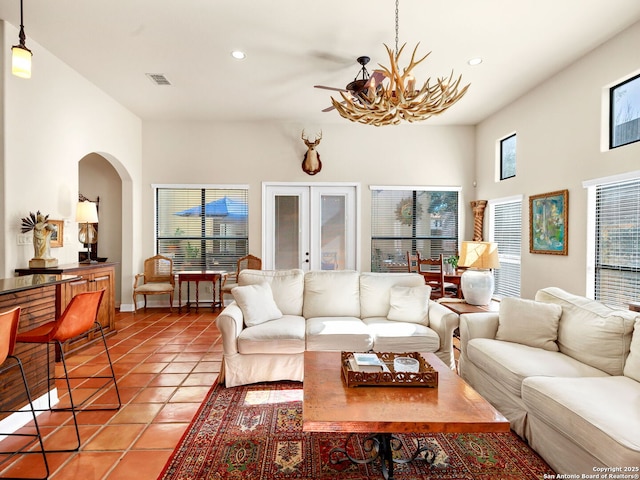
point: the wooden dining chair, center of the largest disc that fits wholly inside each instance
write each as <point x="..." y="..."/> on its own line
<point x="413" y="262"/>
<point x="157" y="279"/>
<point x="433" y="271"/>
<point x="250" y="262"/>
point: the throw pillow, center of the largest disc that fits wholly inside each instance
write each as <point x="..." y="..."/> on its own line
<point x="632" y="366"/>
<point x="529" y="323"/>
<point x="409" y="304"/>
<point x="257" y="303"/>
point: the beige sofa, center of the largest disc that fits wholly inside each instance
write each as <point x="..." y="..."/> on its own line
<point x="565" y="371"/>
<point x="277" y="315"/>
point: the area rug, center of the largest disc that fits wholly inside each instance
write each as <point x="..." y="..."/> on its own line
<point x="255" y="432"/>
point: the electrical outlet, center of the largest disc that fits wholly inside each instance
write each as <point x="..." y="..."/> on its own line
<point x="24" y="239"/>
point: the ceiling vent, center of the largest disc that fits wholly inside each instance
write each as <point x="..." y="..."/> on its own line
<point x="158" y="78"/>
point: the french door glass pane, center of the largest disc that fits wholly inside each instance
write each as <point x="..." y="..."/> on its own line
<point x="287" y="232"/>
<point x="333" y="235"/>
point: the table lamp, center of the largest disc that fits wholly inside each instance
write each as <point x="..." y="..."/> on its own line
<point x="477" y="281"/>
<point x="86" y="216"/>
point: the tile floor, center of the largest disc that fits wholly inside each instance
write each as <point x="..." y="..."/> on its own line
<point x="165" y="365"/>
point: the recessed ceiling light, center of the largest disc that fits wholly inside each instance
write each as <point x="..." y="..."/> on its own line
<point x="238" y="55"/>
<point x="475" y="61"/>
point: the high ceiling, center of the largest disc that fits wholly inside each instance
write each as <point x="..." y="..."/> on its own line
<point x="292" y="45"/>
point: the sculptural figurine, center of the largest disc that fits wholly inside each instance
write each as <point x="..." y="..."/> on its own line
<point x="42" y="237"/>
<point x="42" y="231"/>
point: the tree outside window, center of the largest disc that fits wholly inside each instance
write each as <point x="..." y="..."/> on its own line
<point x="508" y="157"/>
<point x="625" y="113"/>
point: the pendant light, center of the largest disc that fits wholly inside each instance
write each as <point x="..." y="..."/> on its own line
<point x="21" y="55"/>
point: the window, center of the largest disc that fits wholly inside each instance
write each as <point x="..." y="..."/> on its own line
<point x="615" y="231"/>
<point x="505" y="228"/>
<point x="508" y="157"/>
<point x="202" y="228"/>
<point x="624" y="112"/>
<point x="411" y="220"/>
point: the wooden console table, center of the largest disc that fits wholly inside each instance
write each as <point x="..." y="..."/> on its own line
<point x="89" y="278"/>
<point x="212" y="276"/>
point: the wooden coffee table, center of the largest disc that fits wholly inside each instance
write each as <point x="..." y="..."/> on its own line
<point x="452" y="407"/>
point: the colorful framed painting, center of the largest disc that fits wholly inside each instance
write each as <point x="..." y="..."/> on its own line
<point x="57" y="235"/>
<point x="549" y="223"/>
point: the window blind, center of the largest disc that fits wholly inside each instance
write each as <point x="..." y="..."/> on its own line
<point x="507" y="233"/>
<point x="202" y="228"/>
<point x="617" y="252"/>
<point x="412" y="220"/>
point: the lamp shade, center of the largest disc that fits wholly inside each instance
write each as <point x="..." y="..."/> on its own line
<point x="480" y="255"/>
<point x="87" y="212"/>
<point x="21" y="61"/>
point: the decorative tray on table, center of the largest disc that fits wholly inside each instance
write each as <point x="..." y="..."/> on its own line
<point x="377" y="369"/>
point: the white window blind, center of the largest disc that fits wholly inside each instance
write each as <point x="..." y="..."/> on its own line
<point x="411" y="220"/>
<point x="506" y="231"/>
<point x="617" y="243"/>
<point x="202" y="228"/>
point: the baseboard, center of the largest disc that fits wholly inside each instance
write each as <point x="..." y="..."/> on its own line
<point x="17" y="420"/>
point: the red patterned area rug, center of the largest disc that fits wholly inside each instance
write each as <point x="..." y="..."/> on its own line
<point x="255" y="432"/>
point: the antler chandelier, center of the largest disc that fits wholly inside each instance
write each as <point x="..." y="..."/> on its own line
<point x="400" y="100"/>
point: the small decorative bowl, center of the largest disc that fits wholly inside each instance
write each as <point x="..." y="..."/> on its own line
<point x="406" y="364"/>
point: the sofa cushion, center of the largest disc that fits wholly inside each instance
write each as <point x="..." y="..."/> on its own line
<point x="331" y="294"/>
<point x="347" y="334"/>
<point x="510" y="363"/>
<point x="257" y="304"/>
<point x="601" y="415"/>
<point x="286" y="285"/>
<point x="401" y="337"/>
<point x="409" y="304"/>
<point x="590" y="331"/>
<point x="632" y="365"/>
<point x="530" y="323"/>
<point x="284" y="335"/>
<point x="375" y="290"/>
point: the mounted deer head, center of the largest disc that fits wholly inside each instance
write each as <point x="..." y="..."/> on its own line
<point x="311" y="163"/>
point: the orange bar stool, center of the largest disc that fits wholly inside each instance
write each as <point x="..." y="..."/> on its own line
<point x="8" y="329"/>
<point x="79" y="318"/>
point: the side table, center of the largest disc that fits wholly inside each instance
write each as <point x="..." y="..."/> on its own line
<point x="464" y="307"/>
<point x="212" y="276"/>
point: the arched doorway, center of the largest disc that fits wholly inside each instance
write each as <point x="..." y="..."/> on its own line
<point x="99" y="179"/>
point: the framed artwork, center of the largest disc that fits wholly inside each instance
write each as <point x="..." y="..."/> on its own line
<point x="57" y="235"/>
<point x="549" y="223"/>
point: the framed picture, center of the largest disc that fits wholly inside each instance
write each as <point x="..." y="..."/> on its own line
<point x="549" y="223"/>
<point x="57" y="236"/>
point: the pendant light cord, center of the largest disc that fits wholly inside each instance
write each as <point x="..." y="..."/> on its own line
<point x="21" y="35"/>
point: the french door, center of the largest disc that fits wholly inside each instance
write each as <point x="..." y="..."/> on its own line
<point x="310" y="227"/>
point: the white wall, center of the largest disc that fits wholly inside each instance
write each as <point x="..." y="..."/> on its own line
<point x="558" y="147"/>
<point x="252" y="153"/>
<point x="51" y="122"/>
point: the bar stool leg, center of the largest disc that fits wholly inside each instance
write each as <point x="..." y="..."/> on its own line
<point x="37" y="435"/>
<point x="73" y="406"/>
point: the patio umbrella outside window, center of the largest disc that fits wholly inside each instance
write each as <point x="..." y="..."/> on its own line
<point x="223" y="211"/>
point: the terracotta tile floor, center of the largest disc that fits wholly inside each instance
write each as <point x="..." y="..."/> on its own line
<point x="165" y="365"/>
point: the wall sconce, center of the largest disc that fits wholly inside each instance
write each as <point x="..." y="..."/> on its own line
<point x="20" y="54"/>
<point x="86" y="216"/>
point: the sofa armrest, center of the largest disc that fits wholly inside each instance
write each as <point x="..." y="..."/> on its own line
<point x="230" y="322"/>
<point x="443" y="321"/>
<point x="477" y="325"/>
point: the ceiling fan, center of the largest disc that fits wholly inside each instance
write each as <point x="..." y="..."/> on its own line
<point x="358" y="88"/>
